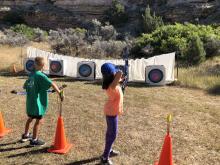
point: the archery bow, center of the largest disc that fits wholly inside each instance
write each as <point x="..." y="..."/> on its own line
<point x="125" y="58"/>
<point x="48" y="91"/>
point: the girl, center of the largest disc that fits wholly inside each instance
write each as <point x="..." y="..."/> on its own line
<point x="112" y="108"/>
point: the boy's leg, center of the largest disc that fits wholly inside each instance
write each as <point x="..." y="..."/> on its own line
<point x="27" y="125"/>
<point x="37" y="127"/>
<point x="26" y="136"/>
<point x="35" y="141"/>
<point x="111" y="133"/>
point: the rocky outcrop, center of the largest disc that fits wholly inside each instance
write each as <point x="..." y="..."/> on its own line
<point x="69" y="13"/>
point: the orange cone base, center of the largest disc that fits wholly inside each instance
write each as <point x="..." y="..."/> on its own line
<point x="6" y="131"/>
<point x="60" y="151"/>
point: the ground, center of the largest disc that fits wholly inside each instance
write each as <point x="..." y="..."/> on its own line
<point x="195" y="129"/>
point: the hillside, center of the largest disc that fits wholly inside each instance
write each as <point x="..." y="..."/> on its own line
<point x="69" y="13"/>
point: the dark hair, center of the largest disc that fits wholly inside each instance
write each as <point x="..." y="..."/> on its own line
<point x="107" y="80"/>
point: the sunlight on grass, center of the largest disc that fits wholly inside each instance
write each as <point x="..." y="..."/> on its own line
<point x="205" y="76"/>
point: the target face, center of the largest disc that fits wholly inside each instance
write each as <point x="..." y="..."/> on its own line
<point x="155" y="75"/>
<point x="55" y="66"/>
<point x="85" y="70"/>
<point x="30" y="65"/>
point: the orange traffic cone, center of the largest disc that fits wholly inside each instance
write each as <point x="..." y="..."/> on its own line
<point x="60" y="144"/>
<point x="166" y="153"/>
<point x="3" y="130"/>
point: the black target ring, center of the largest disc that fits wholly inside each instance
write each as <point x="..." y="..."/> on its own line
<point x="30" y="65"/>
<point x="155" y="75"/>
<point x="55" y="66"/>
<point x="85" y="70"/>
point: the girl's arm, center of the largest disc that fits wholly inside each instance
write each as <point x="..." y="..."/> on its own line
<point x="117" y="79"/>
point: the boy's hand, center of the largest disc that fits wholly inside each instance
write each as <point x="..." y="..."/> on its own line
<point x="61" y="94"/>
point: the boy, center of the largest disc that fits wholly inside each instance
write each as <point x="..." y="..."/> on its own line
<point x="37" y="100"/>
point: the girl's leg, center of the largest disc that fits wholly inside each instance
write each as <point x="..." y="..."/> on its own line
<point x="111" y="133"/>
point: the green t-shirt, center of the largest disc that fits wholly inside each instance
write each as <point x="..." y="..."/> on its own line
<point x="37" y="98"/>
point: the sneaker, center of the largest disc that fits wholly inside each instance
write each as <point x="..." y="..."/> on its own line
<point x="37" y="142"/>
<point x="105" y="161"/>
<point x="114" y="153"/>
<point x="25" y="138"/>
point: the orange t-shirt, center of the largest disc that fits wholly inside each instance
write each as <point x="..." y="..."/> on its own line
<point x="114" y="104"/>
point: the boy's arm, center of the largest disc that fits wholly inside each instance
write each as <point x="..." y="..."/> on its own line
<point x="56" y="88"/>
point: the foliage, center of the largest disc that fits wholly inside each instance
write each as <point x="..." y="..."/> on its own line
<point x="33" y="34"/>
<point x="192" y="43"/>
<point x="151" y="22"/>
<point x="116" y="14"/>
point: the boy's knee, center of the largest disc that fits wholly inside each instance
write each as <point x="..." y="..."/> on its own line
<point x="39" y="121"/>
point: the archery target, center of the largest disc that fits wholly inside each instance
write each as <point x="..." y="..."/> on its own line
<point x="155" y="75"/>
<point x="56" y="67"/>
<point x="29" y="65"/>
<point x="86" y="70"/>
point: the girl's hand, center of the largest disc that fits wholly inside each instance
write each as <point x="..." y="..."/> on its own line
<point x="116" y="81"/>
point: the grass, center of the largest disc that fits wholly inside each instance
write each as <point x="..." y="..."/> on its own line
<point x="205" y="76"/>
<point x="195" y="128"/>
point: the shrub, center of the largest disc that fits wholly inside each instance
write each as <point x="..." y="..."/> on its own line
<point x="151" y="22"/>
<point x="33" y="34"/>
<point x="192" y="43"/>
<point x="116" y="14"/>
<point x="67" y="41"/>
<point x="196" y="52"/>
<point x="13" y="39"/>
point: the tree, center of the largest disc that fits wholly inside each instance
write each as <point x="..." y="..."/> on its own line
<point x="151" y="22"/>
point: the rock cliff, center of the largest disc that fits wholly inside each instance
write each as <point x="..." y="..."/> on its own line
<point x="69" y="13"/>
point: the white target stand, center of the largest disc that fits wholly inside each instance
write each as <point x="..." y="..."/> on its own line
<point x="29" y="65"/>
<point x="155" y="75"/>
<point x="86" y="70"/>
<point x="57" y="67"/>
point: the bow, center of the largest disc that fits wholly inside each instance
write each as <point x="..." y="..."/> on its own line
<point x="125" y="58"/>
<point x="48" y="91"/>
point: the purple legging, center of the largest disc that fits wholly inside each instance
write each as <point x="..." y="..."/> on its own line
<point x="111" y="133"/>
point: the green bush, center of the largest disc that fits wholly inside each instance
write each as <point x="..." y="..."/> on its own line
<point x="33" y="34"/>
<point x="25" y="30"/>
<point x="151" y="22"/>
<point x="116" y="14"/>
<point x="192" y="43"/>
<point x="195" y="53"/>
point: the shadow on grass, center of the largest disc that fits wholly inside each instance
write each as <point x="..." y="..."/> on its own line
<point x="64" y="79"/>
<point x="32" y="152"/>
<point x="215" y="90"/>
<point x="11" y="143"/>
<point x="85" y="161"/>
<point x="10" y="74"/>
<point x="13" y="148"/>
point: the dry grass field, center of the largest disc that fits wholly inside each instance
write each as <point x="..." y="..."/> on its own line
<point x="195" y="129"/>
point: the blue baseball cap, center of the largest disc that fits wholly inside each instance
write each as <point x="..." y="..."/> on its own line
<point x="108" y="68"/>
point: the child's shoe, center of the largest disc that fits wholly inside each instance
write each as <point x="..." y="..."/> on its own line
<point x="105" y="161"/>
<point x="25" y="138"/>
<point x="114" y="153"/>
<point x="36" y="142"/>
